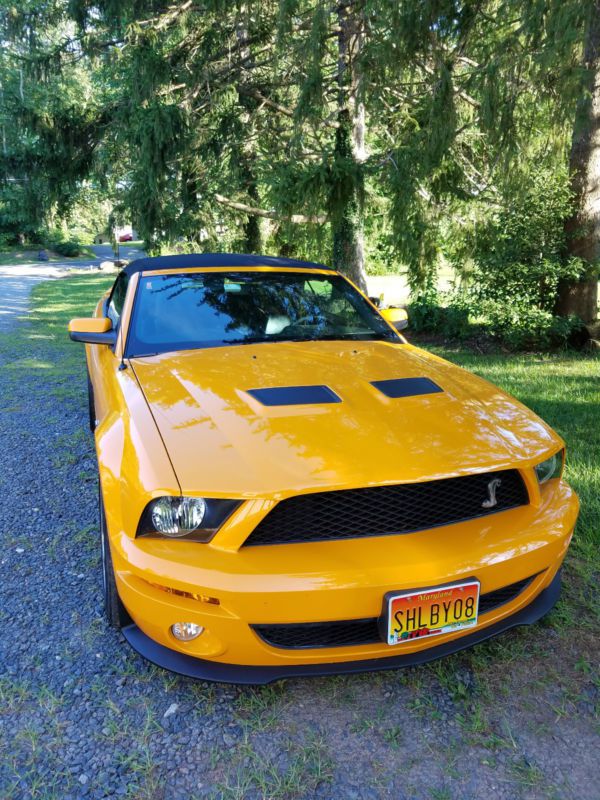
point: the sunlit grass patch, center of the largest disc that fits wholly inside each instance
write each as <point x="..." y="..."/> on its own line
<point x="29" y="364"/>
<point x="55" y="302"/>
<point x="564" y="389"/>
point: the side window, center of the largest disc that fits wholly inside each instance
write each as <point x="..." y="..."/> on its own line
<point x="320" y="288"/>
<point x="117" y="298"/>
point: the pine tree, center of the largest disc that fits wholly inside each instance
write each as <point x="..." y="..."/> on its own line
<point x="342" y="131"/>
<point x="49" y="116"/>
<point x="583" y="227"/>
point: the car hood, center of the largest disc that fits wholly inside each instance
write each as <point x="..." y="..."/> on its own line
<point x="223" y="441"/>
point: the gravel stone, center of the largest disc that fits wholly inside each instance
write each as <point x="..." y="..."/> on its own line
<point x="172" y="709"/>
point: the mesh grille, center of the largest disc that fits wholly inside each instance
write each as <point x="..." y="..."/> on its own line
<point x="385" y="510"/>
<point x="491" y="600"/>
<point x="360" y="631"/>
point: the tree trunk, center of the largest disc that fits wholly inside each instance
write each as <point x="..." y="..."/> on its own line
<point x="252" y="241"/>
<point x="253" y="238"/>
<point x="583" y="229"/>
<point x="349" y="152"/>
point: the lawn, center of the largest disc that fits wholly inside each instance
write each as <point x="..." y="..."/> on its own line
<point x="17" y="256"/>
<point x="515" y="717"/>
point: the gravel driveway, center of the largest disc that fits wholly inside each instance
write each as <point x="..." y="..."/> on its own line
<point x="16" y="282"/>
<point x="82" y="716"/>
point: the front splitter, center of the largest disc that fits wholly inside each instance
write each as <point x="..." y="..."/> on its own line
<point x="204" y="670"/>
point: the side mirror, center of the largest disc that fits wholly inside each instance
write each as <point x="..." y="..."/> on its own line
<point x="396" y="317"/>
<point x="95" y="330"/>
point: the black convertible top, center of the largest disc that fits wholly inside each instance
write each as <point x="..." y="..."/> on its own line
<point x="216" y="260"/>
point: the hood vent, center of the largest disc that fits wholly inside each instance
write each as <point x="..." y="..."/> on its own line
<point x="294" y="395"/>
<point x="406" y="387"/>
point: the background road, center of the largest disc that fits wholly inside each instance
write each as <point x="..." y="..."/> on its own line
<point x="17" y="281"/>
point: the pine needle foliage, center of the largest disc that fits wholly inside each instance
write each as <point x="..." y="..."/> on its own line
<point x="355" y="131"/>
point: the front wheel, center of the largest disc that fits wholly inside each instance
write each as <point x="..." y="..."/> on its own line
<point x="114" y="609"/>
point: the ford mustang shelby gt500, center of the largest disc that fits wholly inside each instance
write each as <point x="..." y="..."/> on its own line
<point x="288" y="487"/>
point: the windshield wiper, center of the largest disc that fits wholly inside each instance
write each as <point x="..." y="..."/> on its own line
<point x="331" y="337"/>
<point x="355" y="337"/>
<point x="246" y="340"/>
<point x="325" y="337"/>
<point x="269" y="339"/>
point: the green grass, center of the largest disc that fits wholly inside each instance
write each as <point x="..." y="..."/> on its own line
<point x="307" y="765"/>
<point x="29" y="255"/>
<point x="564" y="389"/>
<point x="53" y="304"/>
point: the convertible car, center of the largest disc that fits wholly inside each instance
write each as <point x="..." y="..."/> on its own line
<point x="289" y="487"/>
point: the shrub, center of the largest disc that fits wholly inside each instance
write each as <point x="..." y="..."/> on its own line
<point x="428" y="314"/>
<point x="56" y="240"/>
<point x="7" y="240"/>
<point x="518" y="326"/>
<point x="523" y="327"/>
<point x="518" y="254"/>
<point x="67" y="248"/>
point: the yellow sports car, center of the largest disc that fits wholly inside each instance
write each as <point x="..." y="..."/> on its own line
<point x="288" y="487"/>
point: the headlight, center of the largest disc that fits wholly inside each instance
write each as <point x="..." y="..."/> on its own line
<point x="550" y="468"/>
<point x="190" y="518"/>
<point x="176" y="516"/>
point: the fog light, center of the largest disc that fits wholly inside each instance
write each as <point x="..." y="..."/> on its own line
<point x="186" y="631"/>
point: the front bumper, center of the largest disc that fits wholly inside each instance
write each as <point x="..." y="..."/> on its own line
<point x="227" y="593"/>
<point x="161" y="582"/>
<point x="233" y="673"/>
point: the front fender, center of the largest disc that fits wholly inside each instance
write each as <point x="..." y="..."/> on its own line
<point x="133" y="463"/>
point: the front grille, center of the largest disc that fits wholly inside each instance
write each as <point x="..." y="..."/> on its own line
<point x="386" y="510"/>
<point x="491" y="600"/>
<point x="344" y="633"/>
<point x="320" y="634"/>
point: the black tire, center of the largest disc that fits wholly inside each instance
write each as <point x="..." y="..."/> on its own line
<point x="115" y="611"/>
<point x="91" y="408"/>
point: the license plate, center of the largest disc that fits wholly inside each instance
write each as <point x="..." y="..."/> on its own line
<point x="431" y="612"/>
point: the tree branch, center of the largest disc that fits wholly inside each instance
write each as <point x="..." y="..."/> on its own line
<point x="299" y="219"/>
<point x="265" y="100"/>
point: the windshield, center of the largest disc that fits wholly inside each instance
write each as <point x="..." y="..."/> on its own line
<point x="212" y="309"/>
